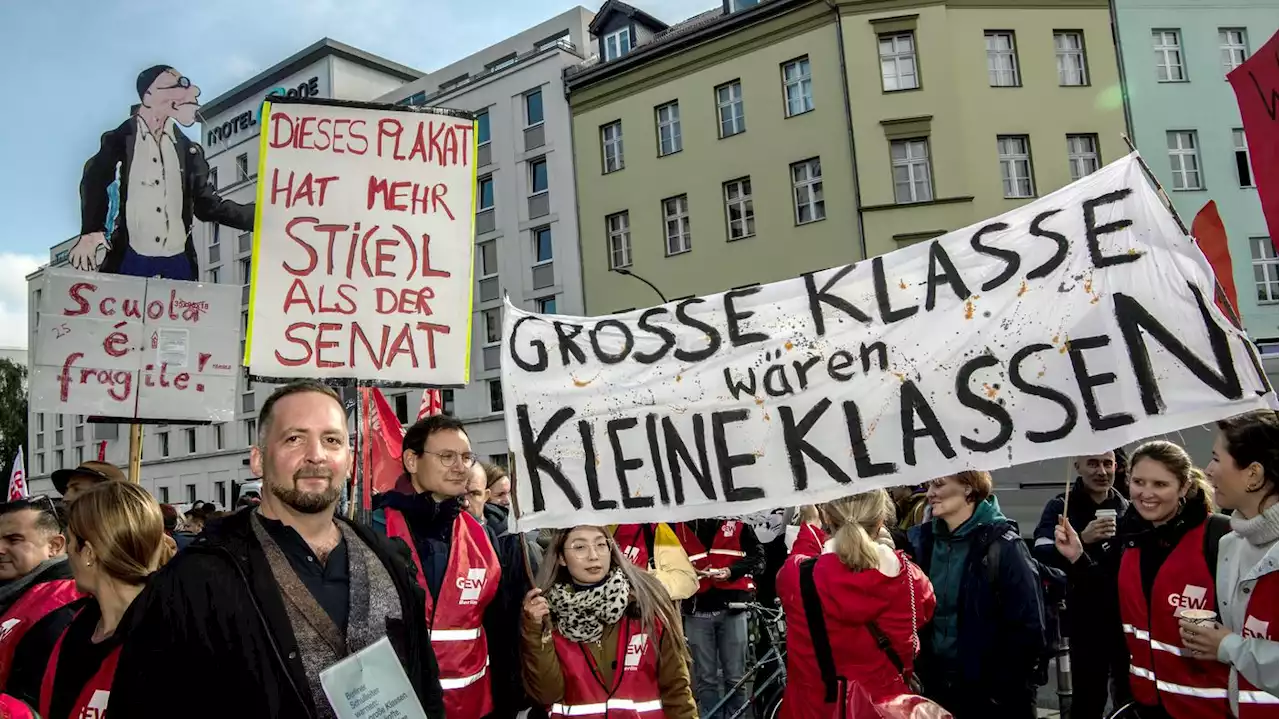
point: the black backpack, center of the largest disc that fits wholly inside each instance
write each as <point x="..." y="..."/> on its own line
<point x="1052" y="583"/>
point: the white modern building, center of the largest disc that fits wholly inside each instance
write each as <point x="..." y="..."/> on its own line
<point x="526" y="219"/>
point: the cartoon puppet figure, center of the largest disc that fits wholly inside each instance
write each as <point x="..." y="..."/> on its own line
<point x="164" y="182"/>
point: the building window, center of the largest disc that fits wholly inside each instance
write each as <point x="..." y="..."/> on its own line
<point x="402" y="408"/>
<point x="739" y="209"/>
<point x="220" y="491"/>
<point x="251" y="432"/>
<point x="162" y="439"/>
<point x="495" y="395"/>
<point x="611" y="146"/>
<point x="213" y="178"/>
<point x="542" y="249"/>
<point x="191" y="494"/>
<point x="797" y="86"/>
<point x="40" y="468"/>
<point x="1082" y="155"/>
<point x="219" y="439"/>
<point x="488" y="259"/>
<point x="40" y="422"/>
<point x="538" y="176"/>
<point x="619" y="226"/>
<point x="246" y="270"/>
<point x="215" y="274"/>
<point x="191" y="441"/>
<point x="492" y="326"/>
<point x="1002" y="59"/>
<point x="79" y="456"/>
<point x="164" y="495"/>
<point x="806" y="181"/>
<point x="1235" y="47"/>
<point x="1015" y="166"/>
<point x="58" y="459"/>
<point x="675" y="216"/>
<point x="446" y="402"/>
<point x="482" y="128"/>
<point x="533" y="108"/>
<point x="912" y="180"/>
<point x="1072" y="69"/>
<point x="1168" y="48"/>
<point x="546" y="305"/>
<point x="898" y="62"/>
<point x="61" y="420"/>
<point x="1244" y="173"/>
<point x="242" y="167"/>
<point x="733" y="120"/>
<point x="1184" y="160"/>
<point x="1266" y="272"/>
<point x="669" y="129"/>
<point x="484" y="193"/>
<point x="617" y="44"/>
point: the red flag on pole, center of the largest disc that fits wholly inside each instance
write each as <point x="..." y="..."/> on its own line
<point x="432" y="403"/>
<point x="1255" y="84"/>
<point x="381" y="441"/>
<point x="102" y="451"/>
<point x="1211" y="237"/>
<point x="18" y="479"/>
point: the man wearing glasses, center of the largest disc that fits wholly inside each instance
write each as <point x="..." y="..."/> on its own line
<point x="35" y="578"/>
<point x="473" y="593"/>
<point x="164" y="182"/>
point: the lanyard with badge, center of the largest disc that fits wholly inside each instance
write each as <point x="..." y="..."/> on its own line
<point x="371" y="683"/>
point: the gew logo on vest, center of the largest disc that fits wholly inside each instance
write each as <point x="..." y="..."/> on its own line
<point x="97" y="708"/>
<point x="635" y="652"/>
<point x="1255" y="628"/>
<point x="632" y="553"/>
<point x="1192" y="597"/>
<point x="471" y="586"/>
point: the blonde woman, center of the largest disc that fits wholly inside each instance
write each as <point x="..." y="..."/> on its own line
<point x="872" y="600"/>
<point x="601" y="637"/>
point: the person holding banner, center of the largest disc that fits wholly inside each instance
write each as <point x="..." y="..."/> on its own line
<point x="601" y="638"/>
<point x="1167" y="570"/>
<point x="980" y="653"/>
<point x="872" y="600"/>
<point x="474" y="583"/>
<point x="66" y="666"/>
<point x="1243" y="475"/>
<point x="268" y="598"/>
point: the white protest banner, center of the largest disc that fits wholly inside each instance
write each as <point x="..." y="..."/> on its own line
<point x="363" y="242"/>
<point x="1074" y="324"/>
<point x="135" y="348"/>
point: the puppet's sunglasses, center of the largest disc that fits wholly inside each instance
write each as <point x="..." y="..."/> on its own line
<point x="183" y="82"/>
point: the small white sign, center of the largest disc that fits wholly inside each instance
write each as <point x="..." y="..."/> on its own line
<point x="371" y="683"/>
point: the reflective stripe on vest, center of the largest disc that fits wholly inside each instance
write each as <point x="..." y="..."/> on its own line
<point x="34" y="604"/>
<point x="635" y="692"/>
<point x="613" y="705"/>
<point x="92" y="700"/>
<point x="1162" y="671"/>
<point x="1261" y="615"/>
<point x="456" y="616"/>
<point x="725" y="549"/>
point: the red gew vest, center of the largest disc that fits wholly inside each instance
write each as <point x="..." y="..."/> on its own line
<point x="30" y="608"/>
<point x="456" y="616"/>
<point x="635" y="693"/>
<point x="725" y="549"/>
<point x="1162" y="671"/>
<point x="91" y="703"/>
<point x="630" y="539"/>
<point x="1260" y="619"/>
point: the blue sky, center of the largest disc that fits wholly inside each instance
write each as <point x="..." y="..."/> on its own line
<point x="70" y="68"/>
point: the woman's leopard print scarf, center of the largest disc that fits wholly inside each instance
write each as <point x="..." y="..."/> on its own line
<point x="580" y="615"/>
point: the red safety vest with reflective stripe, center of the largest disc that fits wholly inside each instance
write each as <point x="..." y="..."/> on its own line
<point x="30" y="608"/>
<point x="630" y="539"/>
<point x="1260" y="619"/>
<point x="1162" y="671"/>
<point x="635" y="693"/>
<point x="456" y="617"/>
<point x="726" y="549"/>
<point x="91" y="703"/>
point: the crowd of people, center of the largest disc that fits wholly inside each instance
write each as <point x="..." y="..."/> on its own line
<point x="113" y="604"/>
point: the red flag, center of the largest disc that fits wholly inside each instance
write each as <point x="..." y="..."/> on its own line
<point x="102" y="451"/>
<point x="432" y="403"/>
<point x="18" y="479"/>
<point x="1255" y="85"/>
<point x="382" y="438"/>
<point x="1211" y="237"/>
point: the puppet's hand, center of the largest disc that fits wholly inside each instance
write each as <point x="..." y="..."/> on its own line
<point x="84" y="254"/>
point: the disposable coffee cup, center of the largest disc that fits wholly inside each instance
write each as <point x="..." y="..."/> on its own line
<point x="1105" y="514"/>
<point x="1203" y="617"/>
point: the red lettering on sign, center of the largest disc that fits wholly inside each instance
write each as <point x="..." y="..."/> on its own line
<point x="82" y="305"/>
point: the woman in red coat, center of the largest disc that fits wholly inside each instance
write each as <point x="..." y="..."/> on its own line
<point x="865" y="589"/>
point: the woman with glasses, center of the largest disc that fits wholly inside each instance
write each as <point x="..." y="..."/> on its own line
<point x="115" y="540"/>
<point x="601" y="637"/>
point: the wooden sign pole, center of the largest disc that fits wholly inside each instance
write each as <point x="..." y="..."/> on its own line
<point x="135" y="453"/>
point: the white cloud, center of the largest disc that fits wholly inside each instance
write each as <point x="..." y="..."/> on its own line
<point x="14" y="269"/>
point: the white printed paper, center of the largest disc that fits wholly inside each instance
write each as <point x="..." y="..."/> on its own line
<point x="371" y="684"/>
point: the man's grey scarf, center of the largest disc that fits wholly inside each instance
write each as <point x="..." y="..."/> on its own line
<point x="13" y="590"/>
<point x="374" y="600"/>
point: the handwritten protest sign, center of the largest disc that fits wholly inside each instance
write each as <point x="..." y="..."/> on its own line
<point x="363" y="241"/>
<point x="135" y="348"/>
<point x="1255" y="83"/>
<point x="1071" y="325"/>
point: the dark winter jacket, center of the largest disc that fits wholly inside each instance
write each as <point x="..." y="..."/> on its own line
<point x="431" y="524"/>
<point x="999" y="624"/>
<point x="752" y="562"/>
<point x="215" y="614"/>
